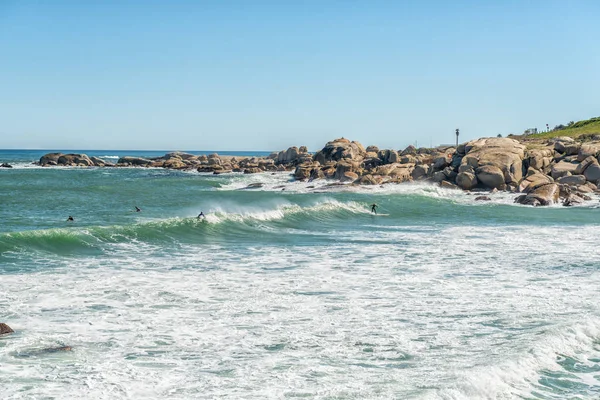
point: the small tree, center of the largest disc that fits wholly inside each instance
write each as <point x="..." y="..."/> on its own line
<point x="499" y="135"/>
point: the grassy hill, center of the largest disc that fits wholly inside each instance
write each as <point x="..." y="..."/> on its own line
<point x="581" y="129"/>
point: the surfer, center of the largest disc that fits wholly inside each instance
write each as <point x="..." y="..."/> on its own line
<point x="137" y="209"/>
<point x="374" y="208"/>
<point x="70" y="219"/>
<point x="201" y="215"/>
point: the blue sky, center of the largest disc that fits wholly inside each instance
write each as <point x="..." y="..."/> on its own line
<point x="265" y="75"/>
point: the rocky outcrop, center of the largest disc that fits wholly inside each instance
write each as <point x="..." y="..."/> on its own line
<point x="133" y="161"/>
<point x="98" y="162"/>
<point x="572" y="180"/>
<point x="588" y="150"/>
<point x="348" y="177"/>
<point x="369" y="180"/>
<point x="543" y="195"/>
<point x="388" y="156"/>
<point x="563" y="168"/>
<point x="544" y="172"/>
<point x="339" y="149"/>
<point x="293" y="156"/>
<point x="71" y="160"/>
<point x="5" y="329"/>
<point x="347" y="165"/>
<point x="540" y="159"/>
<point x="467" y="180"/>
<point x="307" y="171"/>
<point x="50" y="159"/>
<point x="497" y="161"/>
<point x="534" y="180"/>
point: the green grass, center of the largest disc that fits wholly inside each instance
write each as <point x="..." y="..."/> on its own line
<point x="582" y="130"/>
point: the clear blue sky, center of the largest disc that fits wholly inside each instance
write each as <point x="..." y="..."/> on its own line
<point x="265" y="75"/>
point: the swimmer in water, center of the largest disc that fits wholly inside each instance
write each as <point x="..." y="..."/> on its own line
<point x="70" y="219"/>
<point x="137" y="209"/>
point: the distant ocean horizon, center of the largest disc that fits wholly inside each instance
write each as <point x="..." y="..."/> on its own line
<point x="27" y="154"/>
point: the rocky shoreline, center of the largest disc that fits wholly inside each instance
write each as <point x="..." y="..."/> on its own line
<point x="559" y="170"/>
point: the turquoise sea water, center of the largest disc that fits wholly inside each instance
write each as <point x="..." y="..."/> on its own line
<point x="292" y="290"/>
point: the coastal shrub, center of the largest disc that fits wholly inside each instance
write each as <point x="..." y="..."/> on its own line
<point x="585" y="122"/>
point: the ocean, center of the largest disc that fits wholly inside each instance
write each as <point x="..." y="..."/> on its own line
<point x="291" y="290"/>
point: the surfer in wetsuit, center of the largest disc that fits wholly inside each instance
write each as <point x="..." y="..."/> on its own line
<point x="137" y="209"/>
<point x="374" y="208"/>
<point x="201" y="215"/>
<point x="70" y="219"/>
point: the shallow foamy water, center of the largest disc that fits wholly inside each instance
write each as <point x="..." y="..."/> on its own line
<point x="426" y="314"/>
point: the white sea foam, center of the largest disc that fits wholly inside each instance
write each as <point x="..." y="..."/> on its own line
<point x="452" y="313"/>
<point x="235" y="212"/>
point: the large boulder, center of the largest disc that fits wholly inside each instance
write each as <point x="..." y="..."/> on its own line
<point x="563" y="168"/>
<point x="50" y="159"/>
<point x="438" y="176"/>
<point x="214" y="159"/>
<point x="174" y="163"/>
<point x="388" y="156"/>
<point x="572" y="180"/>
<point x="497" y="161"/>
<point x="533" y="181"/>
<point x="540" y="159"/>
<point x="179" y="154"/>
<point x="592" y="173"/>
<point x="544" y="195"/>
<point x="588" y="150"/>
<point x="440" y="163"/>
<point x="135" y="161"/>
<point x="566" y="147"/>
<point x="81" y="160"/>
<point x="580" y="169"/>
<point x="346" y="166"/>
<point x="448" y="185"/>
<point x="573" y="199"/>
<point x="288" y="156"/>
<point x="402" y="173"/>
<point x="491" y="176"/>
<point x="303" y="171"/>
<point x="466" y="180"/>
<point x="410" y="150"/>
<point x="98" y="162"/>
<point x="339" y="149"/>
<point x="420" y="172"/>
<point x="349" y="177"/>
<point x="266" y="164"/>
<point x="5" y="329"/>
<point x="369" y="180"/>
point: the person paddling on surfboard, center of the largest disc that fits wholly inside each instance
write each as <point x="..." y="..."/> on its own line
<point x="374" y="208"/>
<point x="137" y="209"/>
<point x="70" y="219"/>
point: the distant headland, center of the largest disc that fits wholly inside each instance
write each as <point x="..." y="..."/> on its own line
<point x="558" y="166"/>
